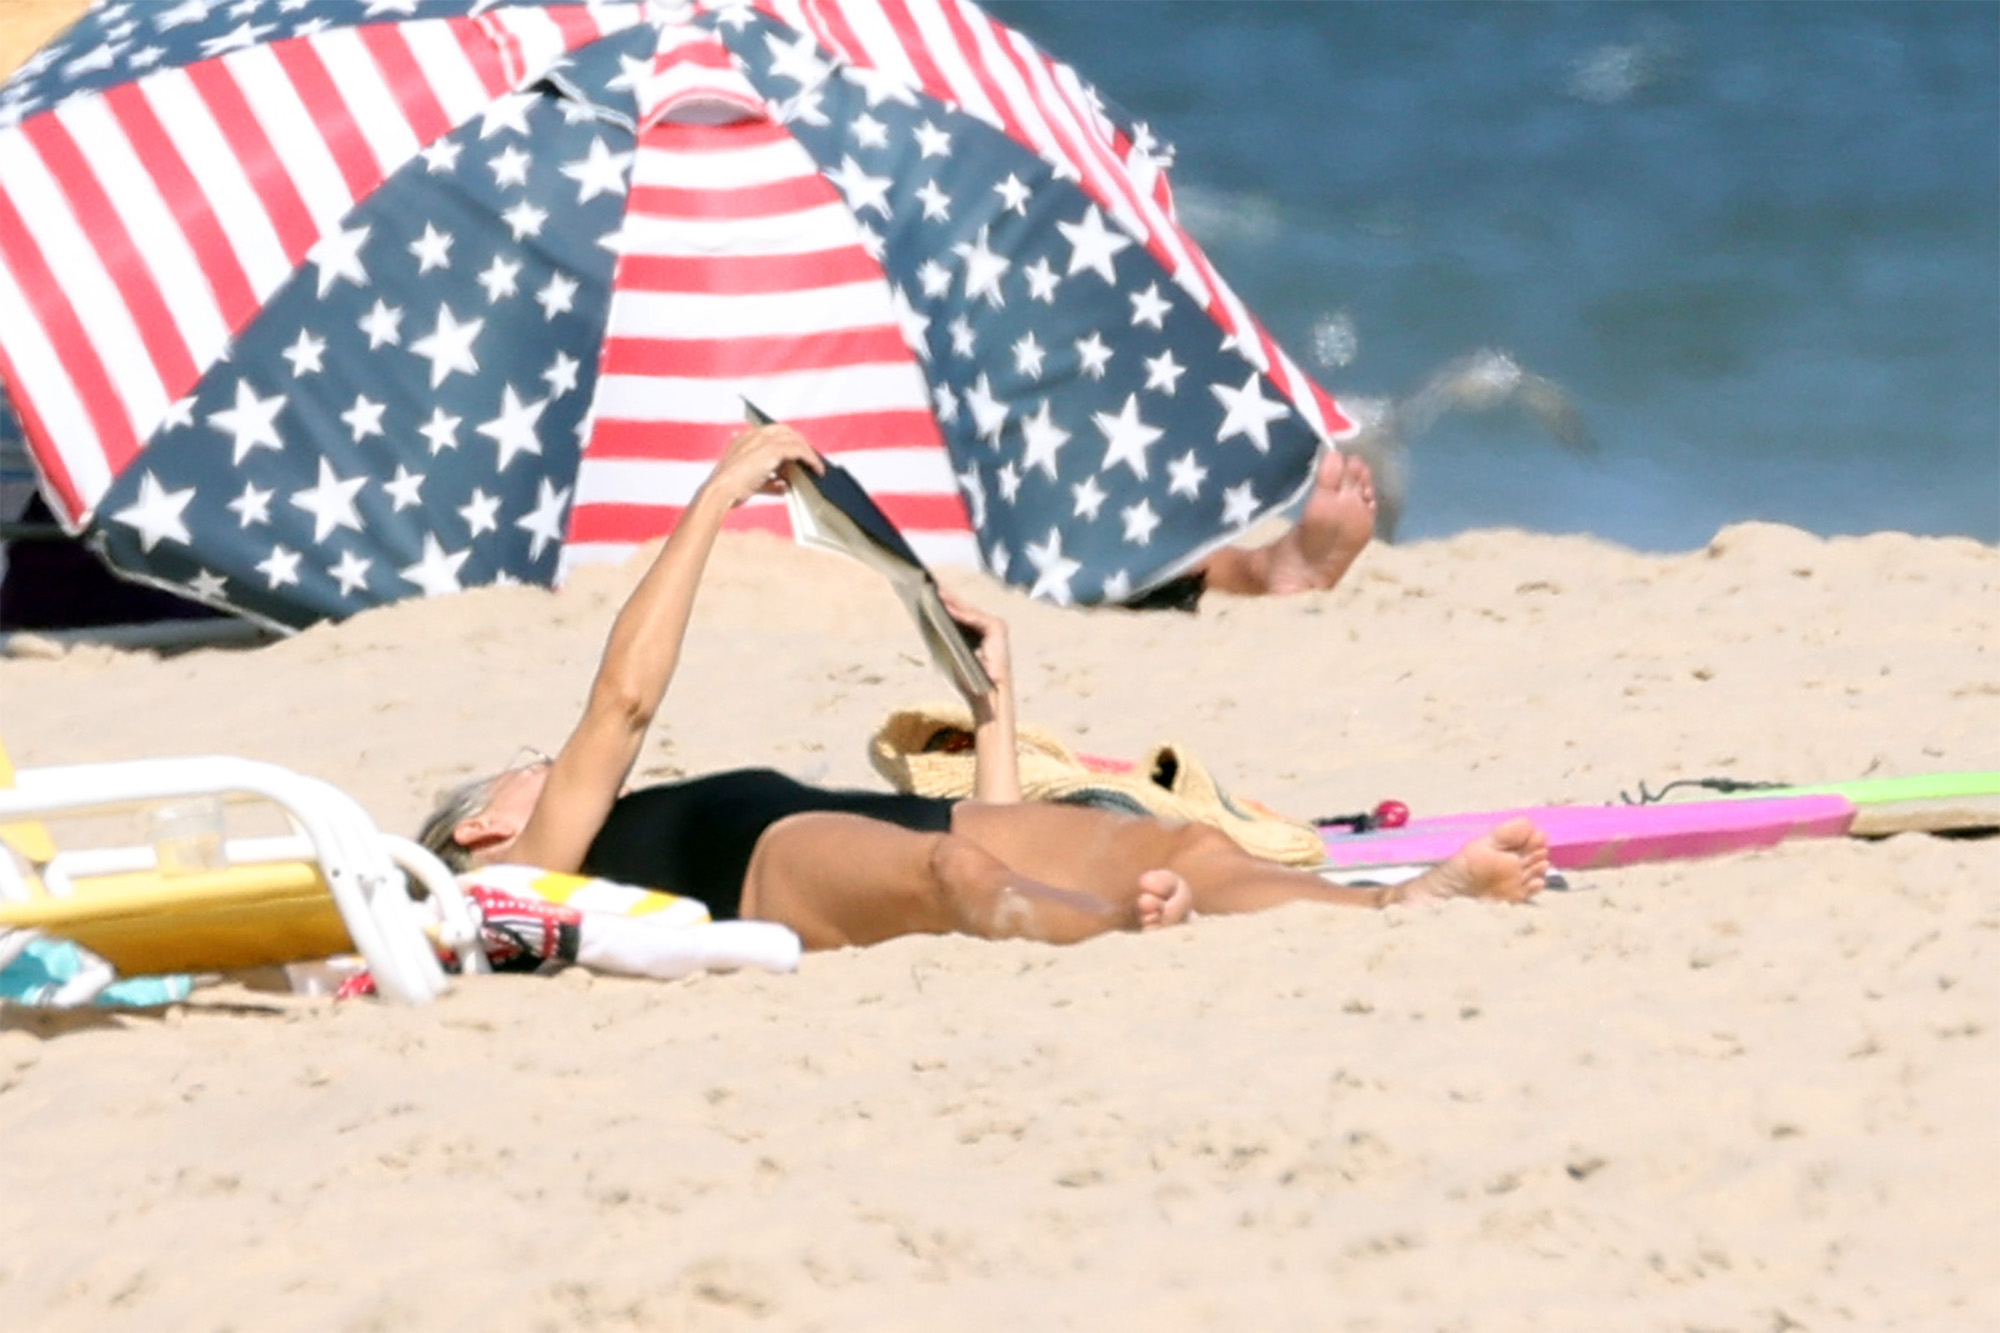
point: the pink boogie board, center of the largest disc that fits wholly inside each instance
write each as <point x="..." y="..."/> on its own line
<point x="1592" y="837"/>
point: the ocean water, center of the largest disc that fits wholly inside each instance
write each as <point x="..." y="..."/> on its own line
<point x="1757" y="245"/>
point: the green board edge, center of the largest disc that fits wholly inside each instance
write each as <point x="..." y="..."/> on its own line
<point x="1880" y="791"/>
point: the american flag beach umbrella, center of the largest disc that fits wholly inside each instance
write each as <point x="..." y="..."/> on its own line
<point x="309" y="305"/>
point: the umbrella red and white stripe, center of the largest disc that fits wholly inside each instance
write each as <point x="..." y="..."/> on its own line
<point x="143" y="227"/>
<point x="742" y="275"/>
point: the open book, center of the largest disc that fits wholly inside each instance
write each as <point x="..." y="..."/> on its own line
<point x="832" y="512"/>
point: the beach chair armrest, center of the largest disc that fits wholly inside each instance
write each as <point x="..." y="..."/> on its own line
<point x="366" y="881"/>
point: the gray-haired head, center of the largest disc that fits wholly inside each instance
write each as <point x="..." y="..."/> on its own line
<point x="456" y="806"/>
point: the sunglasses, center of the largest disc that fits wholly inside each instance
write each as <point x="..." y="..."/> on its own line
<point x="528" y="757"/>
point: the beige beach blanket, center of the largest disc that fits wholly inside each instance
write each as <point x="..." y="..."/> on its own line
<point x="928" y="750"/>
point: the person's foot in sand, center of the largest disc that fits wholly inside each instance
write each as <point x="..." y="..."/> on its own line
<point x="1165" y="899"/>
<point x="1510" y="864"/>
<point x="1337" y="522"/>
<point x="1315" y="553"/>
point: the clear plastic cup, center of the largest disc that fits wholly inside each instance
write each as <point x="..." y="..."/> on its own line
<point x="187" y="835"/>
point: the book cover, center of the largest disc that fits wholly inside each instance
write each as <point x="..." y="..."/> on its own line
<point x="834" y="512"/>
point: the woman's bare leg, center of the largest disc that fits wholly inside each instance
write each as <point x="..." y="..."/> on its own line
<point x="841" y="879"/>
<point x="1077" y="847"/>
<point x="1510" y="864"/>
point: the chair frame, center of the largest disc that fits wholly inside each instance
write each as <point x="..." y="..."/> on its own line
<point x="367" y="873"/>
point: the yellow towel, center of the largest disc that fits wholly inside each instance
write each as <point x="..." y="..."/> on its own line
<point x="928" y="750"/>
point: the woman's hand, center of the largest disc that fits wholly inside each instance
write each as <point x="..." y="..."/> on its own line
<point x="752" y="462"/>
<point x="993" y="653"/>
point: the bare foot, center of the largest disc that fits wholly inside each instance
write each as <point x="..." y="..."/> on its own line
<point x="1334" y="527"/>
<point x="1511" y="863"/>
<point x="1165" y="899"/>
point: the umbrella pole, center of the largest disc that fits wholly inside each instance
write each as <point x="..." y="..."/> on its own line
<point x="166" y="636"/>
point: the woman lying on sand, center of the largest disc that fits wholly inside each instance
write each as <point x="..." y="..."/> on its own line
<point x="855" y="867"/>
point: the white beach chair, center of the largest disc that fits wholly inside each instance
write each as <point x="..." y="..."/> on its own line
<point x="335" y="885"/>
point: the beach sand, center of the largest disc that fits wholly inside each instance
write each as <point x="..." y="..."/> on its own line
<point x="1753" y="1093"/>
<point x="1749" y="1093"/>
<point x="25" y="25"/>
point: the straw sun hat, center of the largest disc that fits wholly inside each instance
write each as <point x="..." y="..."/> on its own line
<point x="928" y="751"/>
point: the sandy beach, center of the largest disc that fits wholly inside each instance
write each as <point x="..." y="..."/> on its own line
<point x="1747" y="1093"/>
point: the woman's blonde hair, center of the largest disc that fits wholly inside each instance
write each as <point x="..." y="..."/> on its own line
<point x="456" y="806"/>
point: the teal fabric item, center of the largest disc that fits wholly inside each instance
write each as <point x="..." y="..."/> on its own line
<point x="42" y="968"/>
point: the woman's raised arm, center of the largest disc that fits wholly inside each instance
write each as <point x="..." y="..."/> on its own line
<point x="996" y="761"/>
<point x="642" y="652"/>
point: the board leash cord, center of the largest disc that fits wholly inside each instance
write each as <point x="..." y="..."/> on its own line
<point x="1724" y="786"/>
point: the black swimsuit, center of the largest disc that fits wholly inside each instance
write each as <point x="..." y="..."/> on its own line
<point x="695" y="837"/>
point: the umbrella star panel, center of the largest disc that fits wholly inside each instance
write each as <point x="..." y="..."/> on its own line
<point x="309" y="307"/>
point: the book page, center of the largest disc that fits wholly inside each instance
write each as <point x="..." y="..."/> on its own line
<point x="833" y="513"/>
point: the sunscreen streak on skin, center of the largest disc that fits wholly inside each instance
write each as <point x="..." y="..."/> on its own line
<point x="1082" y="902"/>
<point x="1013" y="918"/>
<point x="1014" y="914"/>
